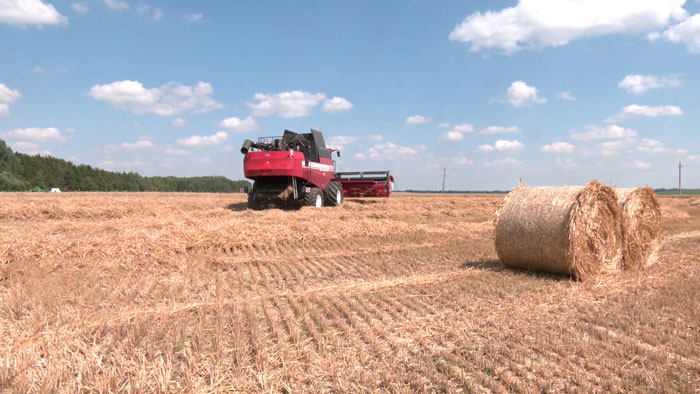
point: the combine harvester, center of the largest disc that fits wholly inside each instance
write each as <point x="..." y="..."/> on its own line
<point x="297" y="169"/>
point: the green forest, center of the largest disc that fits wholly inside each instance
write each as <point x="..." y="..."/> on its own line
<point x="21" y="172"/>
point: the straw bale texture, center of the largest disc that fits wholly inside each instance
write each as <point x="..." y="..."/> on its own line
<point x="569" y="230"/>
<point x="641" y="216"/>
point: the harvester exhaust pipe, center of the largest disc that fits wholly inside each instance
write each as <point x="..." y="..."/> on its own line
<point x="246" y="145"/>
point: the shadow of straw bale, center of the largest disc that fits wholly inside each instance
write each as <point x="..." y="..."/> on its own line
<point x="497" y="266"/>
<point x="365" y="201"/>
<point x="238" y="206"/>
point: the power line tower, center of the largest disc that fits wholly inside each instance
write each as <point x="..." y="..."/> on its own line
<point x="444" y="173"/>
<point x="680" y="166"/>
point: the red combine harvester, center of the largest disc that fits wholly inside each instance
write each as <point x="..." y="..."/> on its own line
<point x="298" y="169"/>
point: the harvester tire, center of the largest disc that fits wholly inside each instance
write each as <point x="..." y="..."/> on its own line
<point x="253" y="203"/>
<point x="314" y="198"/>
<point x="334" y="194"/>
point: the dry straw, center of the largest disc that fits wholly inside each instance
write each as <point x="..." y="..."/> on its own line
<point x="641" y="216"/>
<point x="572" y="230"/>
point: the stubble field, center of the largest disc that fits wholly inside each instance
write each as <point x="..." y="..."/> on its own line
<point x="154" y="292"/>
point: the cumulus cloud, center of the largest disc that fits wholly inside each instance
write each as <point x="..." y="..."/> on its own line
<point x="638" y="84"/>
<point x="637" y="164"/>
<point x="294" y="104"/>
<point x="417" y="119"/>
<point x="178" y="122"/>
<point x="177" y="152"/>
<point x="500" y="130"/>
<point x="508" y="161"/>
<point x="591" y="133"/>
<point x="566" y="95"/>
<point x="457" y="132"/>
<point x="7" y="97"/>
<point x="520" y="94"/>
<point x="645" y="110"/>
<point x="648" y="145"/>
<point x="35" y="134"/>
<point x="140" y="144"/>
<point x="360" y="156"/>
<point x="485" y="148"/>
<point x="462" y="161"/>
<point x="686" y="32"/>
<point x="209" y="140"/>
<point x="558" y="147"/>
<point x="502" y="146"/>
<point x="534" y="24"/>
<point x="80" y="8"/>
<point x="193" y="17"/>
<point x="169" y="99"/>
<point x="339" y="142"/>
<point x="116" y="5"/>
<point x="336" y="105"/>
<point x="30" y="13"/>
<point x="391" y="151"/>
<point x="240" y="125"/>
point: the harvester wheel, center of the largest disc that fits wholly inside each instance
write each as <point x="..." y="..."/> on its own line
<point x="314" y="198"/>
<point x="334" y="194"/>
<point x="253" y="203"/>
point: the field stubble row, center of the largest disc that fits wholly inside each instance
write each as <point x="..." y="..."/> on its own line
<point x="184" y="292"/>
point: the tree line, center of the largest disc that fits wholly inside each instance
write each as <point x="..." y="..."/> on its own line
<point x="22" y="172"/>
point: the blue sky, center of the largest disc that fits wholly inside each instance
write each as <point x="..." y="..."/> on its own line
<point x="553" y="92"/>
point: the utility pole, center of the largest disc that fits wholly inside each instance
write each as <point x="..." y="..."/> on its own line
<point x="444" y="173"/>
<point x="680" y="166"/>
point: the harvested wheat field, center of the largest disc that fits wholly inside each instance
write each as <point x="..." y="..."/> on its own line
<point x="156" y="292"/>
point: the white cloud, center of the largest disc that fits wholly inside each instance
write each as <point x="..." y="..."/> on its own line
<point x="502" y="146"/>
<point x="649" y="145"/>
<point x="462" y="161"/>
<point x="336" y="104"/>
<point x="294" y="104"/>
<point x="24" y="147"/>
<point x="30" y="13"/>
<point x="108" y="163"/>
<point x="178" y="122"/>
<point x="80" y="8"/>
<point x="591" y="133"/>
<point x="177" y="152"/>
<point x="391" y="151"/>
<point x="170" y="99"/>
<point x="417" y="119"/>
<point x="197" y="140"/>
<point x="508" y="146"/>
<point x="645" y="110"/>
<point x="457" y="132"/>
<point x="520" y="94"/>
<point x="360" y="156"/>
<point x="35" y="134"/>
<point x="566" y="95"/>
<point x="444" y="125"/>
<point x="193" y="17"/>
<point x="240" y="125"/>
<point x="534" y="24"/>
<point x="638" y="164"/>
<point x="500" y="130"/>
<point x="486" y="148"/>
<point x="453" y="136"/>
<point x="117" y="5"/>
<point x="686" y="32"/>
<point x="158" y="14"/>
<point x="638" y="84"/>
<point x="7" y="97"/>
<point x="558" y="147"/>
<point x="140" y="144"/>
<point x="339" y="142"/>
<point x="508" y="161"/>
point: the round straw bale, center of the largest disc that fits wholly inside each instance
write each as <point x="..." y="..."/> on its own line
<point x="641" y="215"/>
<point x="571" y="230"/>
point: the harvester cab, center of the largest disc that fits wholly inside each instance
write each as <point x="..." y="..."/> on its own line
<point x="298" y="169"/>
